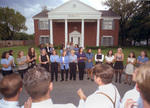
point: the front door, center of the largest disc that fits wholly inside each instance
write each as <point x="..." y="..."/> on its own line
<point x="75" y="40"/>
<point x="75" y="37"/>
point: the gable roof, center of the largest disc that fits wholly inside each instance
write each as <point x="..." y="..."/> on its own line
<point x="108" y="13"/>
<point x="42" y="14"/>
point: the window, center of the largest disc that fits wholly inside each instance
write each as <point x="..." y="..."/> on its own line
<point x="107" y="41"/>
<point x="44" y="39"/>
<point x="107" y="25"/>
<point x="44" y="25"/>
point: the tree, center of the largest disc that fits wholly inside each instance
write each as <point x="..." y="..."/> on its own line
<point x="126" y="9"/>
<point x="11" y="22"/>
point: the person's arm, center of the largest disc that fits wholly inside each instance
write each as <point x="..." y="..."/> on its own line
<point x="127" y="61"/>
<point x="6" y="66"/>
<point x="96" y="57"/>
<point x="47" y="58"/>
<point x="84" y="57"/>
<point x="60" y="60"/>
<point x="130" y="103"/>
<point x="101" y="60"/>
<point x="29" y="60"/>
<point x="21" y="63"/>
<point x="133" y="62"/>
<point x="66" y="61"/>
<point x="57" y="59"/>
<point x="113" y="59"/>
<point x="35" y="58"/>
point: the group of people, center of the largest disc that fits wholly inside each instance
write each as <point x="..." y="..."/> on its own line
<point x="72" y="59"/>
<point x="38" y="86"/>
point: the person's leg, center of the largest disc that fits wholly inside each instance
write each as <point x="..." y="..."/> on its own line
<point x="21" y="73"/>
<point x="88" y="72"/>
<point x="130" y="80"/>
<point x="66" y="74"/>
<point x="62" y="75"/>
<point x="83" y="68"/>
<point x="80" y="72"/>
<point x="52" y="72"/>
<point x="56" y="72"/>
<point x="74" y="71"/>
<point x="71" y="70"/>
<point x="91" y="74"/>
<point x="116" y="74"/>
<point x="126" y="79"/>
<point x="120" y="75"/>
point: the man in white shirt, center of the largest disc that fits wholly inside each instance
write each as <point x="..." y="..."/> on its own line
<point x="10" y="88"/>
<point x="38" y="85"/>
<point x="133" y="94"/>
<point x="107" y="95"/>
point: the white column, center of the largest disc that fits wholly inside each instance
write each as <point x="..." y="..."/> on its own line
<point x="66" y="32"/>
<point x="82" y="34"/>
<point x="98" y="27"/>
<point x="51" y="31"/>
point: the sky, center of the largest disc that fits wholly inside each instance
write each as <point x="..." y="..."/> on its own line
<point x="29" y="8"/>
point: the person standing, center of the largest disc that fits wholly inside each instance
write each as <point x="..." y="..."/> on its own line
<point x="44" y="60"/>
<point x="142" y="59"/>
<point x="54" y="58"/>
<point x="47" y="48"/>
<point x="76" y="49"/>
<point x="73" y="65"/>
<point x="31" y="57"/>
<point x="81" y="63"/>
<point x="51" y="49"/>
<point x="6" y="64"/>
<point x="67" y="48"/>
<point x="61" y="49"/>
<point x="64" y="62"/>
<point x="99" y="57"/>
<point x="130" y="67"/>
<point x="89" y="63"/>
<point x="109" y="58"/>
<point x="22" y="62"/>
<point x="119" y="57"/>
<point x="11" y="52"/>
<point x="41" y="48"/>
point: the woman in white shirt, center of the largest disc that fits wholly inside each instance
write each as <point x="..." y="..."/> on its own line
<point x="99" y="57"/>
<point x="109" y="58"/>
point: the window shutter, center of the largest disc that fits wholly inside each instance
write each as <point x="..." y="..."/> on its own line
<point x="39" y="40"/>
<point x="101" y="41"/>
<point x="113" y="25"/>
<point x="112" y="41"/>
<point x="39" y="24"/>
<point x="102" y="24"/>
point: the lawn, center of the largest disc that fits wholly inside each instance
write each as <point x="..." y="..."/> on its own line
<point x="126" y="51"/>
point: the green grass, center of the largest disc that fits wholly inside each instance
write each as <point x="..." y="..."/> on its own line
<point x="126" y="51"/>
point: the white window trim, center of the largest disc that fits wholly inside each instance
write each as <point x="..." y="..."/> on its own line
<point x="106" y="36"/>
<point x="44" y="36"/>
<point x="44" y="26"/>
<point x="104" y="22"/>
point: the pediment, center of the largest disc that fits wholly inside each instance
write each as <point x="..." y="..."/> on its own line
<point x="75" y="32"/>
<point x="74" y="7"/>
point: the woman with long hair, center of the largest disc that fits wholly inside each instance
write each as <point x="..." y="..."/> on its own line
<point x="73" y="65"/>
<point x="109" y="58"/>
<point x="81" y="63"/>
<point x="31" y="57"/>
<point x="22" y="63"/>
<point x="130" y="67"/>
<point x="89" y="63"/>
<point x="99" y="57"/>
<point x="64" y="62"/>
<point x="76" y="49"/>
<point x="54" y="58"/>
<point x="143" y="58"/>
<point x="44" y="60"/>
<point x="119" y="57"/>
<point x="6" y="64"/>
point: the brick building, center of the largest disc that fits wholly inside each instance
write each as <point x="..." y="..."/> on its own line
<point x="76" y="22"/>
